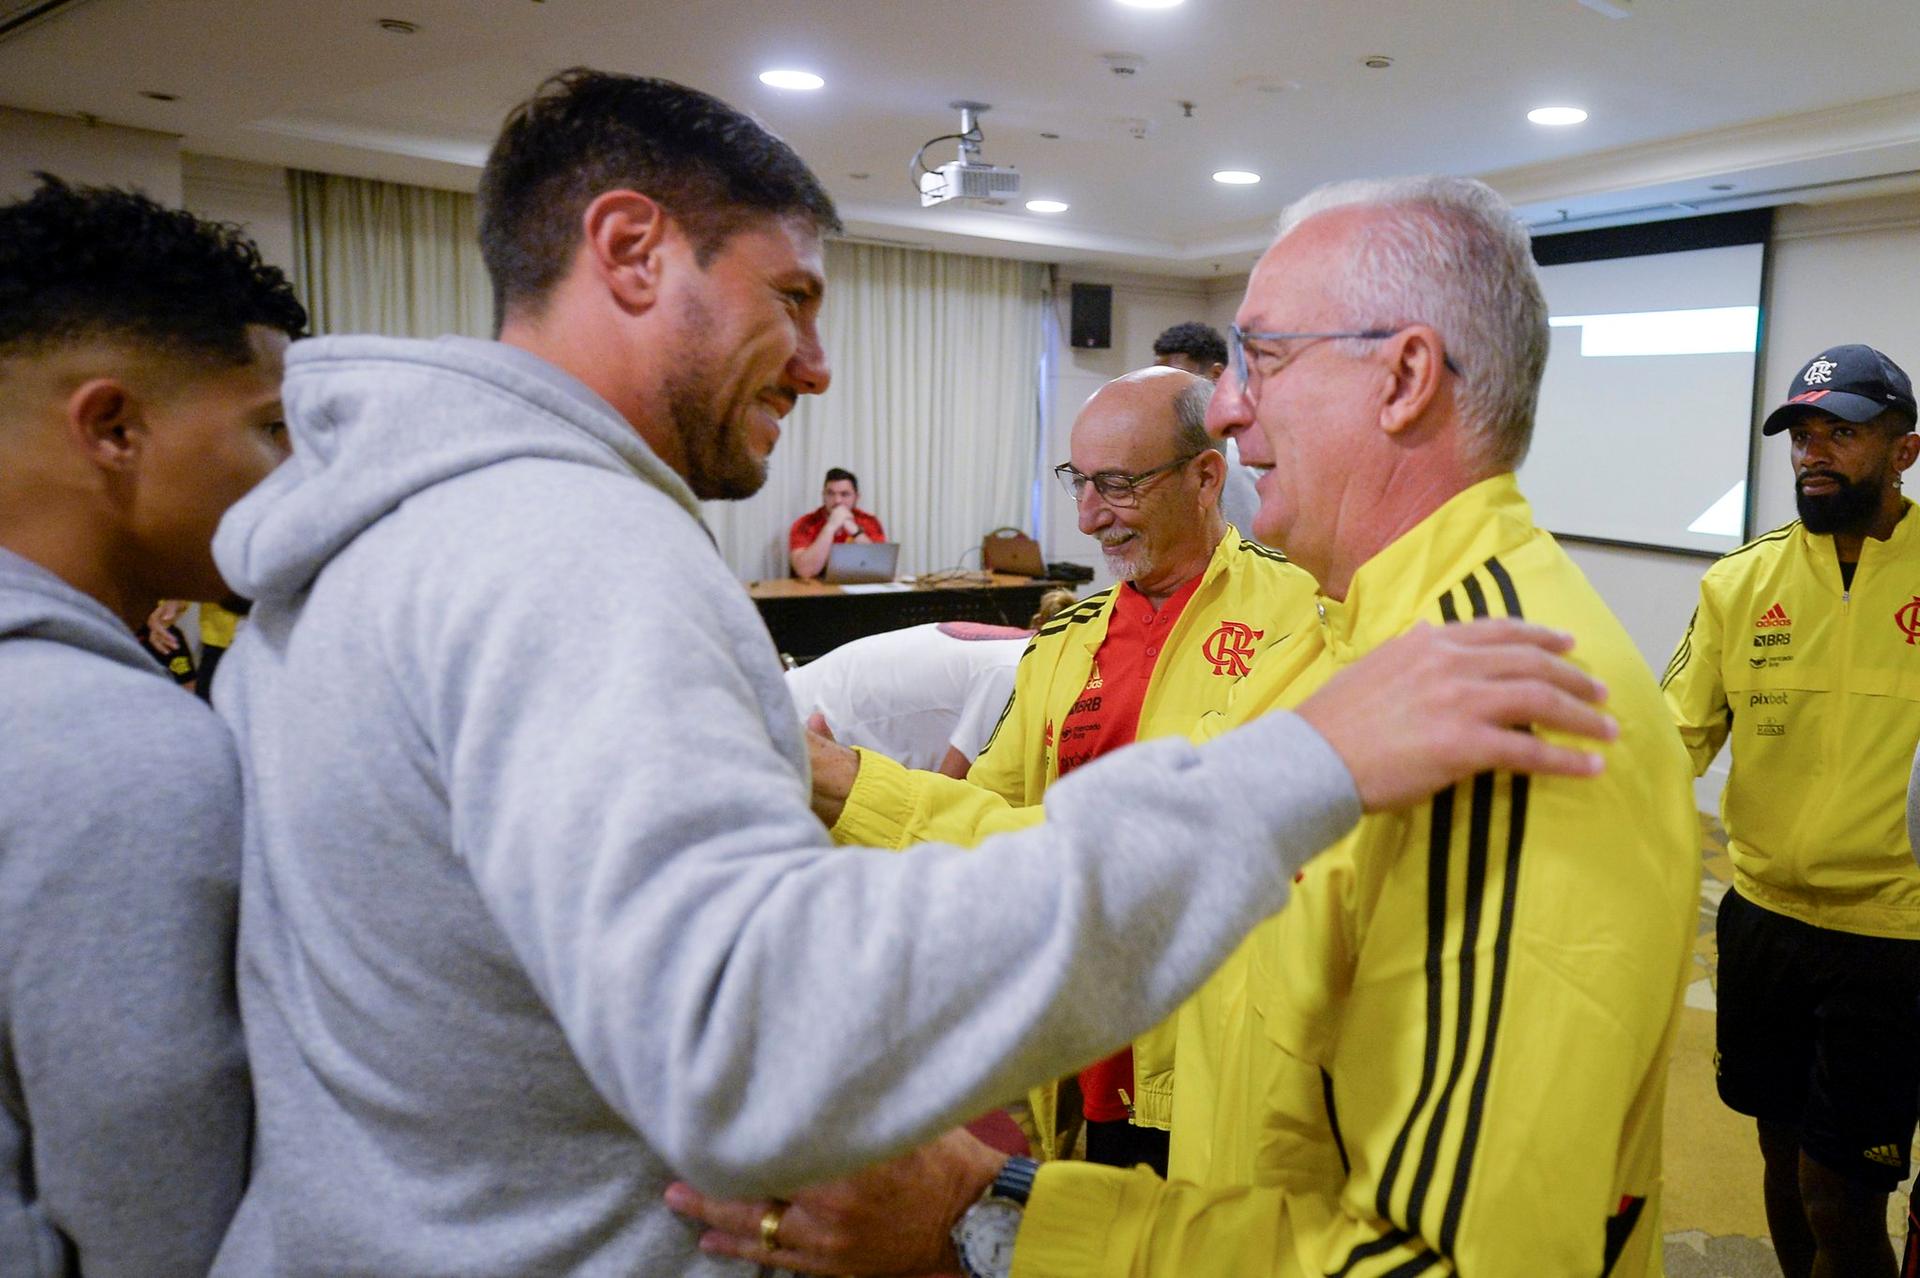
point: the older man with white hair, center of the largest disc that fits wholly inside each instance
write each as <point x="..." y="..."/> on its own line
<point x="1447" y="1055"/>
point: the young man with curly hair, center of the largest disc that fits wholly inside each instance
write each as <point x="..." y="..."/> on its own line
<point x="140" y="360"/>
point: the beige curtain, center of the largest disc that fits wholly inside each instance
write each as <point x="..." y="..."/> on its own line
<point x="934" y="405"/>
<point x="379" y="257"/>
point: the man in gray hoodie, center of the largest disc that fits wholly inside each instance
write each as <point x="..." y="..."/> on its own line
<point x="140" y="359"/>
<point x="534" y="908"/>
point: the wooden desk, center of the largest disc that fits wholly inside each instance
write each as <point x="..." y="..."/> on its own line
<point x="808" y="618"/>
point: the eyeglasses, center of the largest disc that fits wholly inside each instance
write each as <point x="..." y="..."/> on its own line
<point x="1239" y="337"/>
<point x="1116" y="487"/>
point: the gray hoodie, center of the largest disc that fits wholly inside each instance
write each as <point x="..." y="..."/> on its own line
<point x="535" y="913"/>
<point x="123" y="1092"/>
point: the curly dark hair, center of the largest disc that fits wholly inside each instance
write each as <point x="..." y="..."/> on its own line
<point x="1199" y="341"/>
<point x="80" y="261"/>
<point x="585" y="132"/>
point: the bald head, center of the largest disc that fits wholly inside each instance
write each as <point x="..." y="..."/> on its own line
<point x="1158" y="405"/>
<point x="1149" y="427"/>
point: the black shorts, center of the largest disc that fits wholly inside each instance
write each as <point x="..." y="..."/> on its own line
<point x="1820" y="1030"/>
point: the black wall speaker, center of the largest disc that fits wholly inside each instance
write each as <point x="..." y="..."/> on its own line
<point x="1093" y="316"/>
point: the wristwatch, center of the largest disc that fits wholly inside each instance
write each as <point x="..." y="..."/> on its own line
<point x="984" y="1234"/>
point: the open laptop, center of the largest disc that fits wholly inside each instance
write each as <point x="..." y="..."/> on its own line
<point x="851" y="562"/>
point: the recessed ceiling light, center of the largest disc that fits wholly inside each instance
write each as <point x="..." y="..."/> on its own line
<point x="1046" y="206"/>
<point x="1153" y="4"/>
<point x="1556" y="116"/>
<point x="1236" y="177"/>
<point x="791" y="80"/>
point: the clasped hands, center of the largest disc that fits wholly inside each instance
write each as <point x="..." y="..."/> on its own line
<point x="842" y="517"/>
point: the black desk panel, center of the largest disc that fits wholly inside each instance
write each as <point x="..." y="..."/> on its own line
<point x="806" y="625"/>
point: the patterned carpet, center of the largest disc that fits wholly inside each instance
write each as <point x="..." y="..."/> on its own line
<point x="1716" y="1226"/>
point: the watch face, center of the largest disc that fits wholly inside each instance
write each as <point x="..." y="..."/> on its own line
<point x="984" y="1238"/>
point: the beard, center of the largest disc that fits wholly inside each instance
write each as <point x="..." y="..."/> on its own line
<point x="1849" y="508"/>
<point x="1129" y="561"/>
<point x="713" y="434"/>
<point x="720" y="464"/>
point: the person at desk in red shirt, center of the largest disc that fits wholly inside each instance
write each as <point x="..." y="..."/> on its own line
<point x="839" y="518"/>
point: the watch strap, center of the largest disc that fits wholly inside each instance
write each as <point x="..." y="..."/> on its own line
<point x="1015" y="1181"/>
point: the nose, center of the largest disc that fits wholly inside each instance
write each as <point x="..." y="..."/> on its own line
<point x="807" y="370"/>
<point x="1229" y="409"/>
<point x="1093" y="513"/>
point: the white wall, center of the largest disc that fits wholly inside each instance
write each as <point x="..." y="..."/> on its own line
<point x="1840" y="273"/>
<point x="91" y="154"/>
<point x="1143" y="308"/>
<point x="253" y="195"/>
<point x="1223" y="300"/>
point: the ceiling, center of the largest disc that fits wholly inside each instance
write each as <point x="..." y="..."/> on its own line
<point x="1774" y="100"/>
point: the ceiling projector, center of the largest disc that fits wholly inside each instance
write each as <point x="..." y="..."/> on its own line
<point x="966" y="177"/>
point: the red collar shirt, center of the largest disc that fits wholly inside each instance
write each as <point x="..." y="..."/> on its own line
<point x="1105" y="717"/>
<point x="808" y="526"/>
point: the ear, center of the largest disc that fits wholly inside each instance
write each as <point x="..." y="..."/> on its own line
<point x="625" y="233"/>
<point x="1416" y="363"/>
<point x="1212" y="469"/>
<point x="104" y="423"/>
<point x="1905" y="450"/>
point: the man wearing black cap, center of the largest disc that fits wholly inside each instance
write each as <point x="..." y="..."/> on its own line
<point x="1805" y="652"/>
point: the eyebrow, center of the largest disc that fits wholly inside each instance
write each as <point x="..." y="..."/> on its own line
<point x="809" y="282"/>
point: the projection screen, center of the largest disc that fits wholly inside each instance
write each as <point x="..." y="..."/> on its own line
<point x="1645" y="427"/>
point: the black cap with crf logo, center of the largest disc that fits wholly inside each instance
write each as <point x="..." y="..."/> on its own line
<point x="1854" y="383"/>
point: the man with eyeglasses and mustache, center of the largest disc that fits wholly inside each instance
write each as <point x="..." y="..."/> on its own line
<point x="1196" y="607"/>
<point x="1802" y="653"/>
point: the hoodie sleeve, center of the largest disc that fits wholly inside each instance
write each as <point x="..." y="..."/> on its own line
<point x="768" y="1010"/>
<point x="122" y="1022"/>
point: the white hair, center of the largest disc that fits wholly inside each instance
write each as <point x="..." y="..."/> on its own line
<point x="1448" y="252"/>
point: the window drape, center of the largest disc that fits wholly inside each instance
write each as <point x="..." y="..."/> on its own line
<point x="381" y="257"/>
<point x="934" y="404"/>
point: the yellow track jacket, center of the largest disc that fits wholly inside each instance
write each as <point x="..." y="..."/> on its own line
<point x="1447" y="1055"/>
<point x="1819" y="690"/>
<point x="1250" y="602"/>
